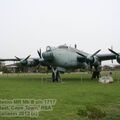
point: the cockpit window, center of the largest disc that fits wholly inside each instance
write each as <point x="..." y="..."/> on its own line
<point x="48" y="48"/>
<point x="63" y="47"/>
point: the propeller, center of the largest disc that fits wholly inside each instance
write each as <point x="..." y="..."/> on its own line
<point x="90" y="60"/>
<point x="23" y="61"/>
<point x="41" y="60"/>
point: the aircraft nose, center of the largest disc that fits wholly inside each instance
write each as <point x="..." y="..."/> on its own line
<point x="47" y="55"/>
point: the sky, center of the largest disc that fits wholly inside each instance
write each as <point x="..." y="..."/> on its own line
<point x="27" y="25"/>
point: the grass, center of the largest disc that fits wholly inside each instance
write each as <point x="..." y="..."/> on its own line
<point x="76" y="91"/>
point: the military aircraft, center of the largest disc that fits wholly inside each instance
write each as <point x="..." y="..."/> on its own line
<point x="66" y="57"/>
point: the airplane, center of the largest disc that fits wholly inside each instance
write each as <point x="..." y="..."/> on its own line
<point x="66" y="57"/>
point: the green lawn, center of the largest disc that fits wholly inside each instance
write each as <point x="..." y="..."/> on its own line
<point x="76" y="91"/>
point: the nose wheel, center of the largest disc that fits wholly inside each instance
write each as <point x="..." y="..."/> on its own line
<point x="55" y="75"/>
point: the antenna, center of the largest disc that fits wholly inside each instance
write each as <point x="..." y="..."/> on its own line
<point x="75" y="46"/>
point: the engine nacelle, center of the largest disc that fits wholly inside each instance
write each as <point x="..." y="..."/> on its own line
<point x="23" y="62"/>
<point x="32" y="62"/>
<point x="94" y="61"/>
<point x="118" y="59"/>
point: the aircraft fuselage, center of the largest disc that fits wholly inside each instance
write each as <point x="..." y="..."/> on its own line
<point x="65" y="58"/>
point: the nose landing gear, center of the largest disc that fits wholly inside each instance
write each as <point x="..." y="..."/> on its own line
<point x="55" y="75"/>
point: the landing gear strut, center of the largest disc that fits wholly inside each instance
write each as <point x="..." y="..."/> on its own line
<point x="55" y="75"/>
<point x="96" y="73"/>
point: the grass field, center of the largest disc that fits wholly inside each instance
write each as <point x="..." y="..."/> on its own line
<point x="75" y="92"/>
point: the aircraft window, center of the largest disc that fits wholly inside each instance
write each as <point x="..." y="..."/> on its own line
<point x="63" y="47"/>
<point x="48" y="48"/>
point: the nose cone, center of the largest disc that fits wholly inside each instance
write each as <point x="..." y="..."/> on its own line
<point x="47" y="55"/>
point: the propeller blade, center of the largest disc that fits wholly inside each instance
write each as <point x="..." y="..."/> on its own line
<point x="81" y="54"/>
<point x="27" y="57"/>
<point x="96" y="53"/>
<point x="39" y="53"/>
<point x="112" y="49"/>
<point x="17" y="58"/>
<point x="113" y="52"/>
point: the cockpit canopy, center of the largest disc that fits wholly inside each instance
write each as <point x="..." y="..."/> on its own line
<point x="48" y="48"/>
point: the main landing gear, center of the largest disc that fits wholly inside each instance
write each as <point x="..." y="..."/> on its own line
<point x="96" y="73"/>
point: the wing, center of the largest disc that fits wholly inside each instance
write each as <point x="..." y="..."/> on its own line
<point x="101" y="57"/>
<point x="104" y="57"/>
<point x="12" y="59"/>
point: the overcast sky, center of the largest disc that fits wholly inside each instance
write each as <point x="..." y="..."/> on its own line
<point x="27" y="25"/>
